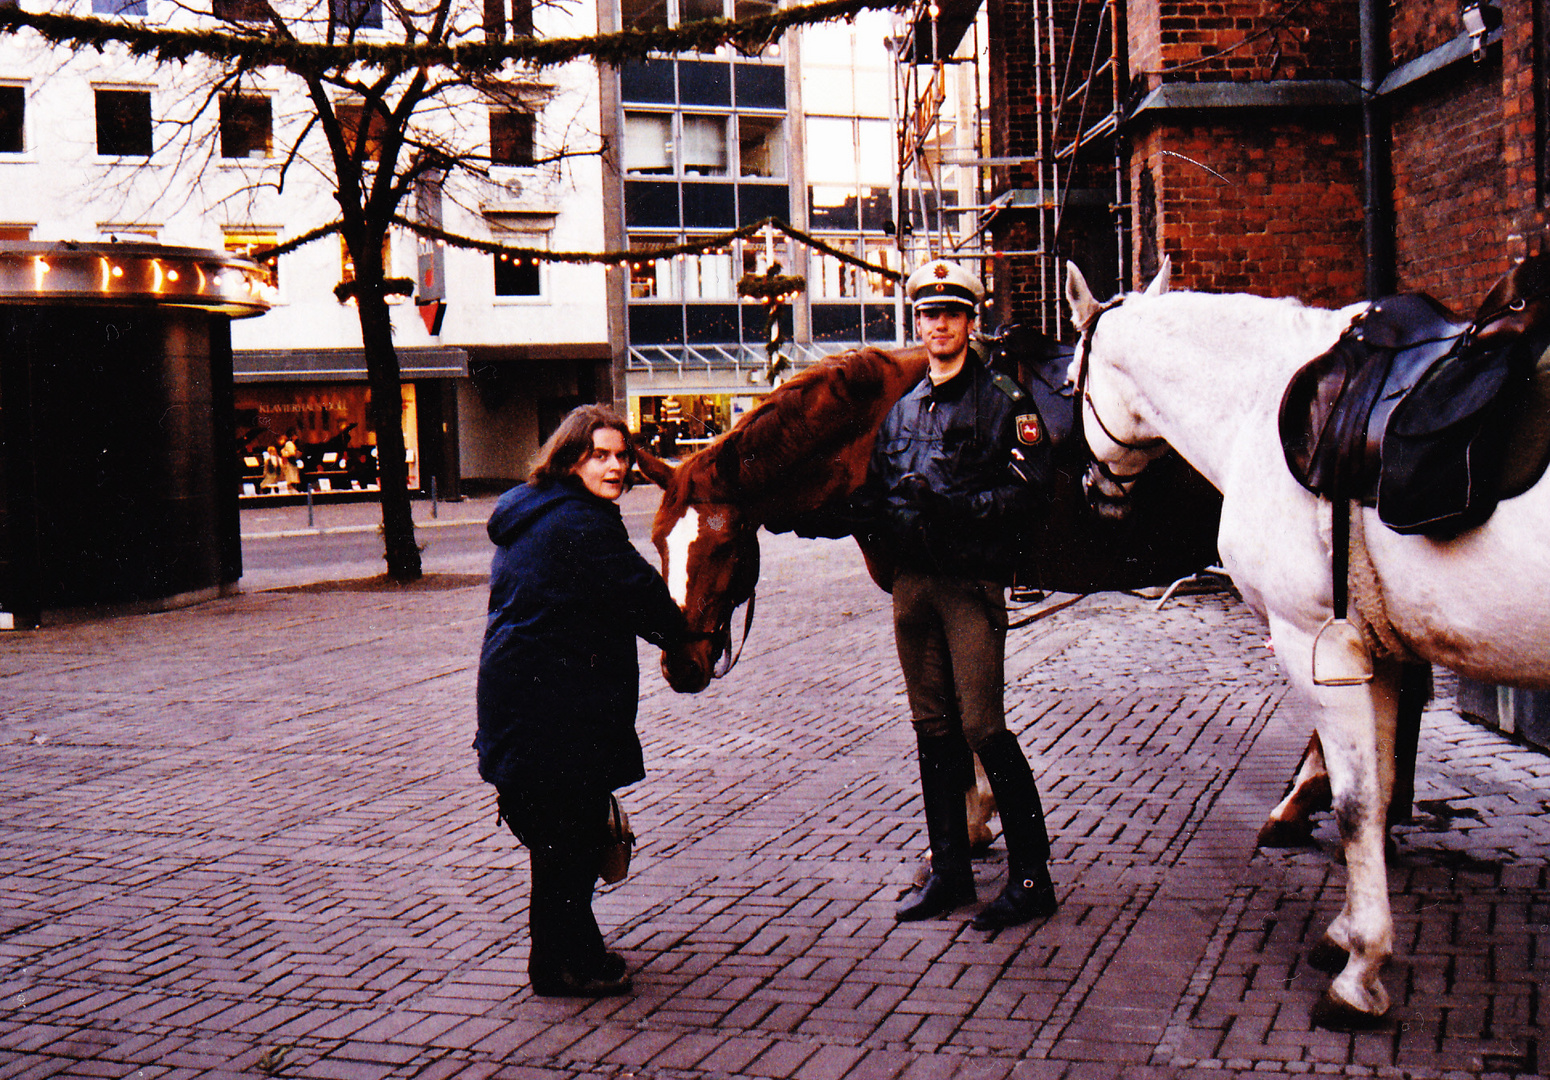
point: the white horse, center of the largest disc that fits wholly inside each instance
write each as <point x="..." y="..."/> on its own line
<point x="1204" y="374"/>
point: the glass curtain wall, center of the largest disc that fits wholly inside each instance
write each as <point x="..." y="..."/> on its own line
<point x="705" y="150"/>
<point x="850" y="160"/>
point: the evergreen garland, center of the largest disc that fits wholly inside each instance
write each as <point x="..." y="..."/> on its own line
<point x="618" y="258"/>
<point x="270" y="48"/>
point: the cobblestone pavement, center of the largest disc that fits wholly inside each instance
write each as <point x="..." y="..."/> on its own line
<point x="248" y="837"/>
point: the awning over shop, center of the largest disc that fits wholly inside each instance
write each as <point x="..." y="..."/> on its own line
<point x="342" y="365"/>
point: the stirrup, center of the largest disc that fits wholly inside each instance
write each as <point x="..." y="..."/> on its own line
<point x="1346" y="639"/>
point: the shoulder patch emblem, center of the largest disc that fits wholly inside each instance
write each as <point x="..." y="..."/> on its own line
<point x="1029" y="431"/>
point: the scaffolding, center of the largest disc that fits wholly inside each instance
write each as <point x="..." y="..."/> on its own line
<point x="941" y="122"/>
<point x="1067" y="160"/>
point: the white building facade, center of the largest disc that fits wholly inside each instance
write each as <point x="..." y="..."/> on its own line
<point x="101" y="146"/>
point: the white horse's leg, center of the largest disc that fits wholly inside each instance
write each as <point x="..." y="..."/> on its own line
<point x="981" y="804"/>
<point x="1290" y="823"/>
<point x="982" y="807"/>
<point x="1356" y="727"/>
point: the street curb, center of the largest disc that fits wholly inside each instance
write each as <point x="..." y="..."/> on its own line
<point x="336" y="530"/>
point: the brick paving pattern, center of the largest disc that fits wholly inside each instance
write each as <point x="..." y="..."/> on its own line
<point x="248" y="838"/>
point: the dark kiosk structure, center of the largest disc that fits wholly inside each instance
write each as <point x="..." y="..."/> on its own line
<point x="118" y="487"/>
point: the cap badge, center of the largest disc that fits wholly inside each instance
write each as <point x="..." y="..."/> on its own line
<point x="939" y="271"/>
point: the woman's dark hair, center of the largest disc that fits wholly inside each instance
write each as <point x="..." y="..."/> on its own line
<point x="572" y="441"/>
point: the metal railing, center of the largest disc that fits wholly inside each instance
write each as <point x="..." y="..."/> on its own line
<point x="734" y="359"/>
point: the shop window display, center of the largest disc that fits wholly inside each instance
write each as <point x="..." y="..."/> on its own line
<point x="328" y="424"/>
<point x="245" y="242"/>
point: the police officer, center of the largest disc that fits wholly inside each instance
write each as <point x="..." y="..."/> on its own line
<point x="958" y="464"/>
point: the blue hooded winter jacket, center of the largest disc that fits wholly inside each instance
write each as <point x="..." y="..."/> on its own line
<point x="559" y="683"/>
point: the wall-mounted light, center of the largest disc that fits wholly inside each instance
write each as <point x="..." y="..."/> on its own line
<point x="1479" y="19"/>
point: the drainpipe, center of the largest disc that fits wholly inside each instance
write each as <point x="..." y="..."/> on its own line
<point x="1377" y="186"/>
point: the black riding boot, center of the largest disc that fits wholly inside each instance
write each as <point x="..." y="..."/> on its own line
<point x="946" y="770"/>
<point x="1029" y="892"/>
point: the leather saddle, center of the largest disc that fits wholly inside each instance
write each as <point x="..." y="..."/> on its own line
<point x="1428" y="418"/>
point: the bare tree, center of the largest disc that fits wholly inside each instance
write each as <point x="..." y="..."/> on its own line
<point x="383" y="120"/>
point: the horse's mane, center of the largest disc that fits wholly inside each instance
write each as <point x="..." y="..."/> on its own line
<point x="833" y="405"/>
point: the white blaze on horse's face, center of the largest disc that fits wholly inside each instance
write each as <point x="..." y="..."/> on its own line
<point x="676" y="555"/>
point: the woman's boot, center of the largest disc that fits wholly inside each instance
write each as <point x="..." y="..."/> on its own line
<point x="1029" y="892"/>
<point x="946" y="771"/>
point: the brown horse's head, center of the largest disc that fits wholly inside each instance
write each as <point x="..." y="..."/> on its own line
<point x="709" y="549"/>
<point x="806" y="444"/>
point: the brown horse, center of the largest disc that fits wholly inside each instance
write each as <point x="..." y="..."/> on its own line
<point x="804" y="447"/>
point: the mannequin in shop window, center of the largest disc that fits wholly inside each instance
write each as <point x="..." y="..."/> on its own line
<point x="291" y="462"/>
<point x="272" y="471"/>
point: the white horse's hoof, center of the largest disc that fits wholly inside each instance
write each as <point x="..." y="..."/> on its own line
<point x="1361" y="1000"/>
<point x="1332" y="1014"/>
<point x="1285" y="834"/>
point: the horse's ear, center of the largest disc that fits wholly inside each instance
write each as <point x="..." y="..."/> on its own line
<point x="1079" y="296"/>
<point x="653" y="468"/>
<point x="1159" y="283"/>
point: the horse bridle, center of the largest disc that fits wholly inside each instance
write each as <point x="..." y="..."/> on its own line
<point x="1084" y="353"/>
<point x="726" y="658"/>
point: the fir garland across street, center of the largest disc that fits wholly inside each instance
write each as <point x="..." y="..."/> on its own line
<point x="274" y="49"/>
<point x="618" y="258"/>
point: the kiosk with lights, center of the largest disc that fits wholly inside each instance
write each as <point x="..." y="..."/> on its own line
<point x="117" y="478"/>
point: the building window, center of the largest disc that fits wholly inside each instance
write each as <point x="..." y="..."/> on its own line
<point x="246" y="127"/>
<point x="849" y="172"/>
<point x="350" y="115"/>
<point x="648" y="144"/>
<point x="356" y="14"/>
<point x="511" y="137"/>
<point x="651" y="278"/>
<point x="643" y="14"/>
<point x="709" y="275"/>
<point x="15" y="232"/>
<point x="240" y="10"/>
<point x="120" y="7"/>
<point x="124" y="123"/>
<point x="131" y="232"/>
<point x="13" y="119"/>
<point x="246" y="241"/>
<point x="347" y="264"/>
<point x="516" y="276"/>
<point x="496" y="22"/>
<point x="761" y="146"/>
<point x="522" y="18"/>
<point x="705" y="145"/>
<point x="695" y="10"/>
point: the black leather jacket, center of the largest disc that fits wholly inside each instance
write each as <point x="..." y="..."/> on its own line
<point x="956" y="473"/>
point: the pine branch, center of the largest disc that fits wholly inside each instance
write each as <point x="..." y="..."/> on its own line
<point x="271" y="49"/>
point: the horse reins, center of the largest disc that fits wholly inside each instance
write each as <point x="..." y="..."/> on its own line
<point x="1084" y="353"/>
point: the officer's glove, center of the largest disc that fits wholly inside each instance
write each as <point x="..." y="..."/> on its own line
<point x="917" y="494"/>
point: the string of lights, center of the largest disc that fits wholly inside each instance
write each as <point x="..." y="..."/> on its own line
<point x="634" y="256"/>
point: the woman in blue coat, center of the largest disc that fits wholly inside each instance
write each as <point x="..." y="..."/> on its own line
<point x="559" y="683"/>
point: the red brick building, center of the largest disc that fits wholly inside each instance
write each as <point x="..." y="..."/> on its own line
<point x="1251" y="144"/>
